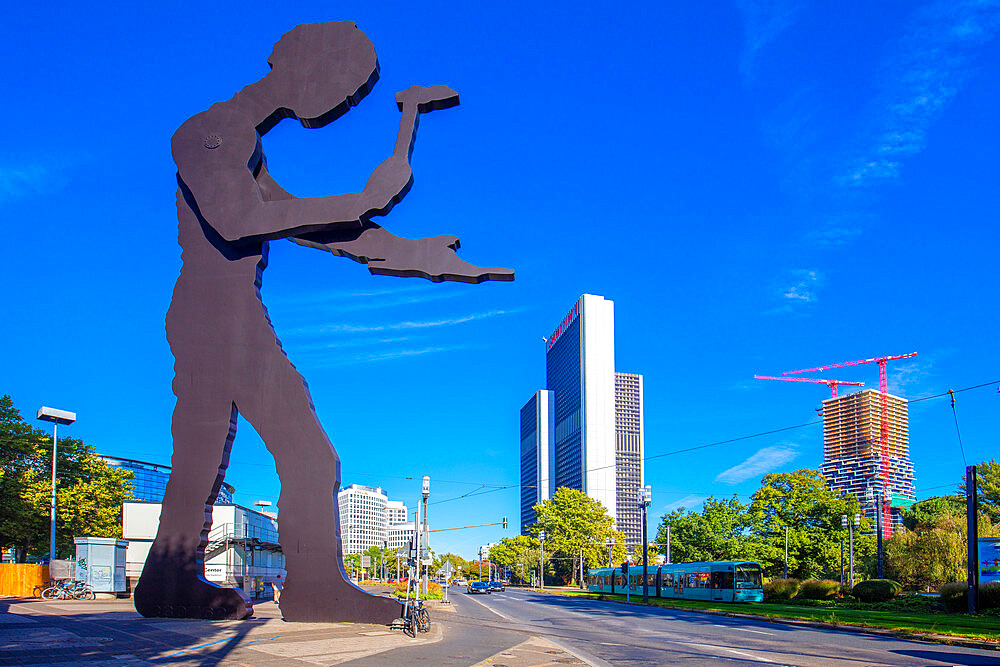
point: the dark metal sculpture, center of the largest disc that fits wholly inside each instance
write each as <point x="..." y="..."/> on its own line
<point x="228" y="360"/>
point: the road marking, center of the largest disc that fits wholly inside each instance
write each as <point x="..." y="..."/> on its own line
<point x="747" y="655"/>
<point x="759" y="632"/>
<point x="504" y="616"/>
<point x="723" y="648"/>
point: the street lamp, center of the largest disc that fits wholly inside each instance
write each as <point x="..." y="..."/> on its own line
<point x="541" y="559"/>
<point x="425" y="555"/>
<point x="870" y="497"/>
<point x="645" y="498"/>
<point x="56" y="417"/>
<point x="849" y="523"/>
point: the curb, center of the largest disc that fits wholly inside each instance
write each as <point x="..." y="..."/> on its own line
<point x="951" y="640"/>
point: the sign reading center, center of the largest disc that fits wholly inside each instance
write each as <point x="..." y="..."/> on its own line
<point x="563" y="325"/>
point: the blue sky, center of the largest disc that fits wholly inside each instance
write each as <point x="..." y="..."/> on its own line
<point x="759" y="186"/>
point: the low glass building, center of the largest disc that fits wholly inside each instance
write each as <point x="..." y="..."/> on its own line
<point x="149" y="480"/>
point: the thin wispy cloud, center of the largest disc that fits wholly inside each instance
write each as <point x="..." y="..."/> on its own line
<point x="764" y="461"/>
<point x="924" y="72"/>
<point x="390" y="355"/>
<point x="354" y="300"/>
<point x="837" y="231"/>
<point x="687" y="502"/>
<point x="763" y="21"/>
<point x="17" y="181"/>
<point x="398" y="326"/>
<point x="798" y="292"/>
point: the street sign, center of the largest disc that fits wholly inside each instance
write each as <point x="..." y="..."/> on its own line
<point x="366" y="561"/>
<point x="445" y="570"/>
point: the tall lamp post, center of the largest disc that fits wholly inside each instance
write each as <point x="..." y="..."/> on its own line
<point x="645" y="498"/>
<point x="426" y="492"/>
<point x="871" y="498"/>
<point x="541" y="559"/>
<point x="56" y="417"/>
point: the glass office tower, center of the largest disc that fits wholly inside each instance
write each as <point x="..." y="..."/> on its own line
<point x="576" y="432"/>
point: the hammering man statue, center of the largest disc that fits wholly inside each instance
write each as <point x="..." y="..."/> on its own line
<point x="228" y="360"/>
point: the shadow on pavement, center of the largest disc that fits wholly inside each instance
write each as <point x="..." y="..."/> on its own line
<point x="948" y="658"/>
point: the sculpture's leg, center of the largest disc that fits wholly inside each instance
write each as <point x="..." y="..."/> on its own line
<point x="316" y="588"/>
<point x="173" y="582"/>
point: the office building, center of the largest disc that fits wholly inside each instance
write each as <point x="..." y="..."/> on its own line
<point x="396" y="512"/>
<point x="149" y="480"/>
<point x="537" y="454"/>
<point x="629" y="448"/>
<point x="569" y="431"/>
<point x="852" y="450"/>
<point x="400" y="535"/>
<point x="363" y="521"/>
<point x="369" y="519"/>
<point x="242" y="549"/>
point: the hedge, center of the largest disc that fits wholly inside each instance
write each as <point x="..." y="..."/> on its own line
<point x="819" y="589"/>
<point x="781" y="589"/>
<point x="877" y="590"/>
<point x="955" y="596"/>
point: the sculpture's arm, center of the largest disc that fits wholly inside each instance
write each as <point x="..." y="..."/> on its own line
<point x="231" y="201"/>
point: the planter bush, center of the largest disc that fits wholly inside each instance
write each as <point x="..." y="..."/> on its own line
<point x="819" y="589"/>
<point x="955" y="596"/>
<point x="434" y="591"/>
<point x="877" y="590"/>
<point x="989" y="595"/>
<point x="781" y="589"/>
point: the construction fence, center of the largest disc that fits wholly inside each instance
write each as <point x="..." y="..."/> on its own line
<point x="20" y="579"/>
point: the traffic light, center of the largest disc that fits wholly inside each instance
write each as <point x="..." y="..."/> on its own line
<point x="505" y="523"/>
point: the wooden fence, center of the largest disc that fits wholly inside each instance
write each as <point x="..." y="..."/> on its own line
<point x="20" y="579"/>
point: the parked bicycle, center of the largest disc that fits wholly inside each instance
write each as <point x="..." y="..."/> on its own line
<point x="68" y="590"/>
<point x="415" y="618"/>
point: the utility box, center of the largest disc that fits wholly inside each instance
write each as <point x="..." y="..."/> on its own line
<point x="100" y="563"/>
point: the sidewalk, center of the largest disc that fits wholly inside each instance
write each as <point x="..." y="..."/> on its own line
<point x="46" y="632"/>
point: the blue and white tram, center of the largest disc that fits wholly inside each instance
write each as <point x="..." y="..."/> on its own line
<point x="725" y="581"/>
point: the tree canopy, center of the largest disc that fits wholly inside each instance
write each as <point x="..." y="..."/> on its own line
<point x="575" y="524"/>
<point x="727" y="529"/>
<point x="90" y="493"/>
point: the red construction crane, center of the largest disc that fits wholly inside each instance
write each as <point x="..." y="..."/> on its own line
<point x="883" y="426"/>
<point x="832" y="384"/>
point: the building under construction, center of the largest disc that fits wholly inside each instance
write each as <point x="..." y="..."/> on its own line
<point x="852" y="450"/>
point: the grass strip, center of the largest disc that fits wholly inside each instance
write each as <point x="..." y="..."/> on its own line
<point x="942" y="623"/>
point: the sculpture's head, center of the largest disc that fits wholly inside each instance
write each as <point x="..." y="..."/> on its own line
<point x="319" y="70"/>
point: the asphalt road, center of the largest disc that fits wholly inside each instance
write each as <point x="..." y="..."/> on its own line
<point x="603" y="633"/>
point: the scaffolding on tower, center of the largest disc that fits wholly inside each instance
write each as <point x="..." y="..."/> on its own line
<point x="886" y="508"/>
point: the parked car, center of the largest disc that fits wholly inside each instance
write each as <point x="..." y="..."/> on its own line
<point x="496" y="586"/>
<point x="479" y="587"/>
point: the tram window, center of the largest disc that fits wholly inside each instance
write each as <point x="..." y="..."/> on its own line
<point x="668" y="578"/>
<point x="651" y="581"/>
<point x="748" y="576"/>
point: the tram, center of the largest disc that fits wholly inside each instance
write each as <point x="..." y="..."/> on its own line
<point x="724" y="581"/>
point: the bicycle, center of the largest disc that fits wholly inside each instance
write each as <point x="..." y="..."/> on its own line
<point x="66" y="590"/>
<point x="415" y="619"/>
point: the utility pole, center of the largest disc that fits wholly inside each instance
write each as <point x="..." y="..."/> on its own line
<point x="541" y="559"/>
<point x="786" y="552"/>
<point x="843" y="526"/>
<point x="851" y="526"/>
<point x="668" y="544"/>
<point x="972" y="525"/>
<point x="583" y="584"/>
<point x="645" y="498"/>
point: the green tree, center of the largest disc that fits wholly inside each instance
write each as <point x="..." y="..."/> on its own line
<point x="932" y="549"/>
<point x="90" y="493"/>
<point x="519" y="555"/>
<point x="720" y="532"/>
<point x="803" y="502"/>
<point x="988" y="488"/>
<point x="926" y="513"/>
<point x="574" y="524"/>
